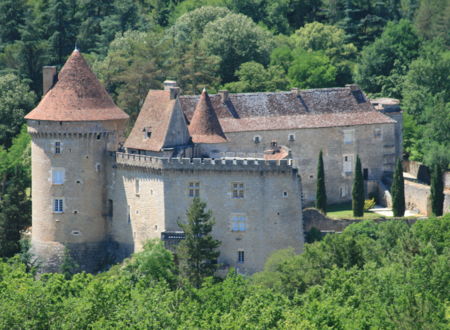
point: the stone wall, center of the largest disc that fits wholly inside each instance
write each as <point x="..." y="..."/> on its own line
<point x="377" y="153"/>
<point x="312" y="218"/>
<point x="417" y="198"/>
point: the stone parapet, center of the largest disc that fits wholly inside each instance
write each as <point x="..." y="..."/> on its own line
<point x="164" y="163"/>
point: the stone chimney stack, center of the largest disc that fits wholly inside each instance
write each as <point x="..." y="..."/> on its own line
<point x="168" y="84"/>
<point x="295" y="91"/>
<point x="353" y="87"/>
<point x="48" y="78"/>
<point x="224" y="95"/>
<point x="174" y="92"/>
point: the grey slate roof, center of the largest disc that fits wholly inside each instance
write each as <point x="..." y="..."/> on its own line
<point x="325" y="107"/>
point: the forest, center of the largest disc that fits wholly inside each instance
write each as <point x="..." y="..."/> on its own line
<point x="372" y="276"/>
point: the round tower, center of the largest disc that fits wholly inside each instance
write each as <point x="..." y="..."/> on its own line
<point x="73" y="129"/>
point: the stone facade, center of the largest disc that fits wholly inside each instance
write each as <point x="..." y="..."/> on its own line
<point x="103" y="196"/>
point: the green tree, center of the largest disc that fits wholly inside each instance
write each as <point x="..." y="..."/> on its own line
<point x="321" y="193"/>
<point x="15" y="101"/>
<point x="254" y="77"/>
<point x="13" y="14"/>
<point x="437" y="191"/>
<point x="426" y="101"/>
<point x="197" y="253"/>
<point x="384" y="63"/>
<point x="358" y="190"/>
<point x="312" y="70"/>
<point x="398" y="191"/>
<point x="236" y="39"/>
<point x="433" y="20"/>
<point x="332" y="41"/>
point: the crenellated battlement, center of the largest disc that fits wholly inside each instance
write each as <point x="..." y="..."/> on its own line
<point x="165" y="163"/>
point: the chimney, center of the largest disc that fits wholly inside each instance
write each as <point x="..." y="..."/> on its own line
<point x="224" y="95"/>
<point x="168" y="84"/>
<point x="295" y="91"/>
<point x="48" y="78"/>
<point x="174" y="92"/>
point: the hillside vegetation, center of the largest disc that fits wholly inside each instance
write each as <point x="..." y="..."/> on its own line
<point x="387" y="275"/>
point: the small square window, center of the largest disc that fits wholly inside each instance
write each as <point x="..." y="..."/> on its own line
<point x="241" y="257"/>
<point x="238" y="190"/>
<point x="257" y="139"/>
<point x="349" y="136"/>
<point x="57" y="147"/>
<point x="58" y="205"/>
<point x="238" y="222"/>
<point x="58" y="175"/>
<point x="194" y="189"/>
<point x="377" y="133"/>
<point x="291" y="137"/>
<point x="285" y="194"/>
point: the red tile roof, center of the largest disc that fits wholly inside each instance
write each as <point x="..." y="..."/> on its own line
<point x="205" y="126"/>
<point x="155" y="117"/>
<point x="77" y="96"/>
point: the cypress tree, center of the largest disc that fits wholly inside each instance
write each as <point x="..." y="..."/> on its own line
<point x="358" y="190"/>
<point x="398" y="191"/>
<point x="437" y="191"/>
<point x="321" y="193"/>
<point x="197" y="253"/>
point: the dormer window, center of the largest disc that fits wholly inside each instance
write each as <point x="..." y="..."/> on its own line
<point x="147" y="132"/>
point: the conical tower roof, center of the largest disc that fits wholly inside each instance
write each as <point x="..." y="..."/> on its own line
<point x="77" y="96"/>
<point x="205" y="126"/>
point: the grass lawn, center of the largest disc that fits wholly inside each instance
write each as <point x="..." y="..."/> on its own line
<point x="344" y="211"/>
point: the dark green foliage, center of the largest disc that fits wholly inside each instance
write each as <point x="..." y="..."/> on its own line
<point x="358" y="190"/>
<point x="197" y="253"/>
<point x="12" y="17"/>
<point x="313" y="235"/>
<point x="68" y="266"/>
<point x="398" y="191"/>
<point x="321" y="193"/>
<point x="437" y="191"/>
<point x="384" y="63"/>
<point x="15" y="101"/>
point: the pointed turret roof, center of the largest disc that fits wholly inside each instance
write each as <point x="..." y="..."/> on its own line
<point x="77" y="96"/>
<point x="205" y="126"/>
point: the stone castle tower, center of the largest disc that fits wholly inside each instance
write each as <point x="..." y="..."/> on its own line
<point x="73" y="128"/>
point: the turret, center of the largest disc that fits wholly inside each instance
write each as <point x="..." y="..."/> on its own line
<point x="205" y="128"/>
<point x="72" y="129"/>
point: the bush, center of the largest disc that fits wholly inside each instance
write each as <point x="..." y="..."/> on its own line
<point x="369" y="204"/>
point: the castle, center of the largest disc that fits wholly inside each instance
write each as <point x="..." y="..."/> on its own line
<point x="251" y="157"/>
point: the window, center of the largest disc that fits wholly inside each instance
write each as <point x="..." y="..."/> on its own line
<point x="110" y="208"/>
<point x="194" y="189"/>
<point x="137" y="187"/>
<point x="129" y="214"/>
<point x="58" y="205"/>
<point x="58" y="175"/>
<point x="98" y="167"/>
<point x="347" y="163"/>
<point x="343" y="191"/>
<point x="377" y="133"/>
<point x="238" y="189"/>
<point x="241" y="257"/>
<point x="291" y="137"/>
<point x="238" y="222"/>
<point x="349" y="136"/>
<point x="285" y="194"/>
<point x="257" y="139"/>
<point x="57" y="147"/>
<point x="366" y="173"/>
<point x="147" y="132"/>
